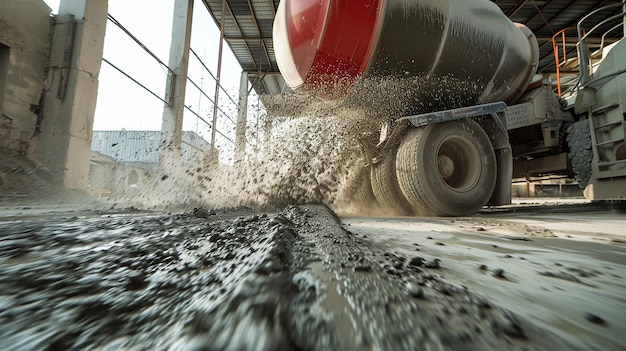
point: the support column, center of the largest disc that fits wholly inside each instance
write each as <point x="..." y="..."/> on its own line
<point x="172" y="122"/>
<point x="218" y="82"/>
<point x="242" y="119"/>
<point x="64" y="146"/>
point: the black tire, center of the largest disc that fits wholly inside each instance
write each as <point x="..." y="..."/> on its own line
<point x="447" y="169"/>
<point x="580" y="152"/>
<point x="385" y="186"/>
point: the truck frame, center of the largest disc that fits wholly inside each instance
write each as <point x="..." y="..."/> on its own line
<point x="453" y="162"/>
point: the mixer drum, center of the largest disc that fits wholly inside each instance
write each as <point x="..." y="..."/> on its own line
<point x="466" y="48"/>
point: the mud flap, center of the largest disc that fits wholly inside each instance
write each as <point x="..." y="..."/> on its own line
<point x="504" y="159"/>
<point x="502" y="192"/>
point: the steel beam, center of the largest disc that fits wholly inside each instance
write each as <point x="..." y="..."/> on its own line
<point x="218" y="81"/>
<point x="242" y="119"/>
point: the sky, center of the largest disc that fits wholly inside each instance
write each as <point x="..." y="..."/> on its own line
<point x="124" y="105"/>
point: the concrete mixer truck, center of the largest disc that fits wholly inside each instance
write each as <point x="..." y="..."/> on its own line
<point x="477" y="115"/>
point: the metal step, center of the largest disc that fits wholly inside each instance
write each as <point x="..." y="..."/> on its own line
<point x="609" y="142"/>
<point x="607" y="124"/>
<point x="610" y="163"/>
<point x="603" y="109"/>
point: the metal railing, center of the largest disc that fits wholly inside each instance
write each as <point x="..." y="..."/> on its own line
<point x="199" y="88"/>
<point x="167" y="99"/>
<point x="560" y="45"/>
<point x="560" y="57"/>
<point x="583" y="52"/>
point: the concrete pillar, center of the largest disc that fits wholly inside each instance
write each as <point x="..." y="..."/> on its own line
<point x="172" y="122"/>
<point x="242" y="118"/>
<point x="5" y="134"/>
<point x="64" y="146"/>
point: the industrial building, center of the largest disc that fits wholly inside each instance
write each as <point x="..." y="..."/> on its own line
<point x="165" y="239"/>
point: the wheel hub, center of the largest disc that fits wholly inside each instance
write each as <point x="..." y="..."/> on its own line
<point x="445" y="165"/>
<point x="458" y="164"/>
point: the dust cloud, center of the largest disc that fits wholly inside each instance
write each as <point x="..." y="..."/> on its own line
<point x="311" y="151"/>
<point x="307" y="156"/>
<point x="310" y="155"/>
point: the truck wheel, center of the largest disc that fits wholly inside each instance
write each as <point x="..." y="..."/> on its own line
<point x="580" y="152"/>
<point x="448" y="169"/>
<point x="360" y="187"/>
<point x="385" y="186"/>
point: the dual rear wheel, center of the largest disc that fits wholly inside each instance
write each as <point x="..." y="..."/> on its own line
<point x="443" y="169"/>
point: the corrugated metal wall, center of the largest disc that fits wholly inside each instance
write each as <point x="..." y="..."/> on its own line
<point x="142" y="146"/>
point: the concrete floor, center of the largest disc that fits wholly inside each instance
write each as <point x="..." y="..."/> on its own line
<point x="529" y="276"/>
<point x="559" y="266"/>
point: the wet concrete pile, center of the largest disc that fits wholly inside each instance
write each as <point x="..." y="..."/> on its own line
<point x="232" y="279"/>
<point x="123" y="282"/>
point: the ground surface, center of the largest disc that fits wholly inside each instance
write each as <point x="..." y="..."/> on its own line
<point x="563" y="268"/>
<point x="97" y="278"/>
